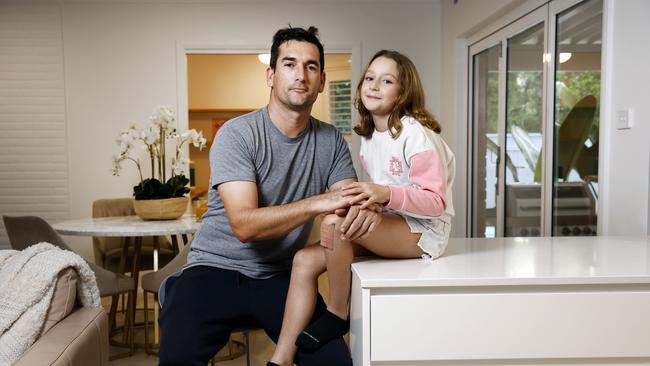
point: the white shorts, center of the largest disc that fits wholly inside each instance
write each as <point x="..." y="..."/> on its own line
<point x="434" y="234"/>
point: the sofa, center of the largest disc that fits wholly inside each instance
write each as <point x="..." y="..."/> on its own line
<point x="71" y="335"/>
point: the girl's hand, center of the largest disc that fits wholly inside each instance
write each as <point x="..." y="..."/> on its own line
<point x="370" y="193"/>
<point x="378" y="208"/>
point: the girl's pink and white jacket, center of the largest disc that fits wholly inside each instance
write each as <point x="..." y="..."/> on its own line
<point x="418" y="167"/>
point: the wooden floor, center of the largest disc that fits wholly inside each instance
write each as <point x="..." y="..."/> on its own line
<point x="261" y="351"/>
<point x="261" y="347"/>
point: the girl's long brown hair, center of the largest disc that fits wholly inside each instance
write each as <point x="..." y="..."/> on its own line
<point x="410" y="101"/>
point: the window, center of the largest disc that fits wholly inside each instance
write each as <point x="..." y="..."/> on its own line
<point x="340" y="106"/>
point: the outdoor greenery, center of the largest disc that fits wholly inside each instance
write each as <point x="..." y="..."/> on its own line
<point x="524" y="98"/>
<point x="524" y="109"/>
<point x="573" y="86"/>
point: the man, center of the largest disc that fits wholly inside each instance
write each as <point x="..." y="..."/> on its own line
<point x="269" y="170"/>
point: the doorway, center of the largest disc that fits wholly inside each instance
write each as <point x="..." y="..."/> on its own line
<point x="226" y="85"/>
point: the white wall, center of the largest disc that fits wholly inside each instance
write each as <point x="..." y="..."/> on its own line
<point x="120" y="62"/>
<point x="626" y="54"/>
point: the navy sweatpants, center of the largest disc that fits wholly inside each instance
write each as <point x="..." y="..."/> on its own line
<point x="204" y="304"/>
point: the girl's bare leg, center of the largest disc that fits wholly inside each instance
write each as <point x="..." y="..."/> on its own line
<point x="308" y="264"/>
<point x="392" y="238"/>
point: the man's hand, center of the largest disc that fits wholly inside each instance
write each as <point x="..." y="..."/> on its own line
<point x="358" y="222"/>
<point x="373" y="207"/>
<point x="331" y="201"/>
<point x="368" y="193"/>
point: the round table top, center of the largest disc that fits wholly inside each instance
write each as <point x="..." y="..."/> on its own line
<point x="127" y="226"/>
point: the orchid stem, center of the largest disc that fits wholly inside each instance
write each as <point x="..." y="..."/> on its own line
<point x="162" y="154"/>
<point x="152" y="156"/>
<point x="137" y="163"/>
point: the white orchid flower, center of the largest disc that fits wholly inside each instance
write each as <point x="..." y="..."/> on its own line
<point x="163" y="116"/>
<point x="150" y="136"/>
<point x="179" y="162"/>
<point x="198" y="140"/>
<point x="125" y="142"/>
<point x="177" y="168"/>
<point x="154" y="138"/>
<point x="194" y="137"/>
<point x="134" y="133"/>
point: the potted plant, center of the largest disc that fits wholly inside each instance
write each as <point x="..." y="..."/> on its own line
<point x="158" y="198"/>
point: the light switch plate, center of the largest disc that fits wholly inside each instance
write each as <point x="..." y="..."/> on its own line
<point x="624" y="119"/>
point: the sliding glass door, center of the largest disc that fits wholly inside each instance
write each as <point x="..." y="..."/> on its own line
<point x="524" y="131"/>
<point x="533" y="117"/>
<point x="485" y="139"/>
<point x="577" y="44"/>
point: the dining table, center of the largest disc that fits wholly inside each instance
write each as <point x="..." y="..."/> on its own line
<point x="136" y="228"/>
<point x="131" y="227"/>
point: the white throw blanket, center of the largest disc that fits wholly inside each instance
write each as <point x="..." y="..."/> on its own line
<point x="27" y="281"/>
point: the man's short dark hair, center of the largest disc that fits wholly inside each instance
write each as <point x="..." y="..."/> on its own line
<point x="296" y="34"/>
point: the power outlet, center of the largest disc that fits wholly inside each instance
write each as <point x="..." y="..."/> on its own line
<point x="624" y="119"/>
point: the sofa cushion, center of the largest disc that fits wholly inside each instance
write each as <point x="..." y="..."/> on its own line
<point x="63" y="300"/>
<point x="81" y="339"/>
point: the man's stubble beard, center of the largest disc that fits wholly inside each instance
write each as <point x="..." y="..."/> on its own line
<point x="298" y="107"/>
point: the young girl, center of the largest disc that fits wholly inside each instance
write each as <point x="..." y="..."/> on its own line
<point x="412" y="170"/>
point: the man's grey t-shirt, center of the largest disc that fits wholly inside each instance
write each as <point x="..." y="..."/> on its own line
<point x="251" y="148"/>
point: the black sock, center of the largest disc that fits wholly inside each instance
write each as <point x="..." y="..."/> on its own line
<point x="271" y="364"/>
<point x="323" y="330"/>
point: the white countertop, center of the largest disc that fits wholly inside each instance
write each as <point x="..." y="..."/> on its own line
<point x="127" y="226"/>
<point x="517" y="261"/>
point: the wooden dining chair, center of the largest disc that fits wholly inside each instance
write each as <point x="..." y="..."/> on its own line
<point x="24" y="231"/>
<point x="108" y="250"/>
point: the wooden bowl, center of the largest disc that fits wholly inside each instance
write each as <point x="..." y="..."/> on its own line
<point x="162" y="209"/>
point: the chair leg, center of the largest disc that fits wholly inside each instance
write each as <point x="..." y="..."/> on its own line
<point x="147" y="346"/>
<point x="126" y="321"/>
<point x="112" y="313"/>
<point x="129" y="319"/>
<point x="132" y="324"/>
<point x="132" y="315"/>
<point x="248" y="348"/>
<point x="127" y="336"/>
<point x="122" y="303"/>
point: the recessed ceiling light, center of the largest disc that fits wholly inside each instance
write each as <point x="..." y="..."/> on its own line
<point x="264" y="58"/>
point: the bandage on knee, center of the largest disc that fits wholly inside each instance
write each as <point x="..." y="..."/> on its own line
<point x="327" y="233"/>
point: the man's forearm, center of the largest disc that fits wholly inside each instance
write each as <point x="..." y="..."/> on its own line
<point x="276" y="221"/>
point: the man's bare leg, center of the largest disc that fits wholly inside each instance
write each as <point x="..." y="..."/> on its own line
<point x="308" y="264"/>
<point x="391" y="239"/>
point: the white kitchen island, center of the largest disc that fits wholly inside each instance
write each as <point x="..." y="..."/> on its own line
<point x="507" y="301"/>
